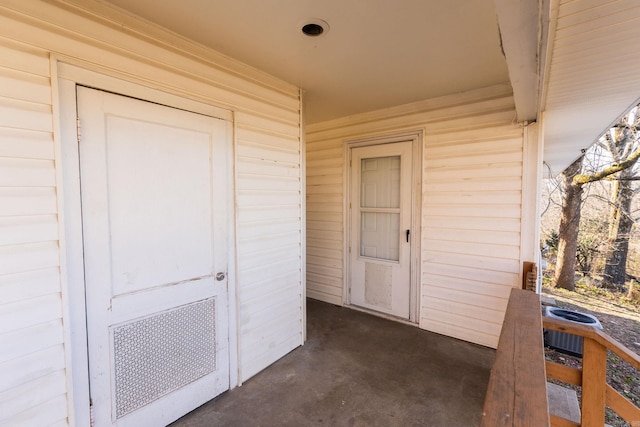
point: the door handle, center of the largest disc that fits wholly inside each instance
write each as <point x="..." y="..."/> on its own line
<point x="408" y="236"/>
<point x="220" y="276"/>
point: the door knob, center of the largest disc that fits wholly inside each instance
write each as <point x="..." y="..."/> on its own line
<point x="220" y="276"/>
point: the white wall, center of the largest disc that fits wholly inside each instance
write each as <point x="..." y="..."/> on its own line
<point x="269" y="239"/>
<point x="325" y="217"/>
<point x="34" y="328"/>
<point x="471" y="230"/>
<point x="32" y="358"/>
<point x="471" y="207"/>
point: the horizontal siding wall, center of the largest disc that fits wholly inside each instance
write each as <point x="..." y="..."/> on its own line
<point x="471" y="230"/>
<point x="471" y="207"/>
<point x="32" y="358"/>
<point x="33" y="363"/>
<point x="325" y="228"/>
<point x="268" y="158"/>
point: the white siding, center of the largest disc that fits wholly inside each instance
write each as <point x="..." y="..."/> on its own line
<point x="325" y="228"/>
<point x="34" y="368"/>
<point x="592" y="73"/>
<point x="471" y="228"/>
<point x="269" y="240"/>
<point x="31" y="333"/>
<point x="471" y="207"/>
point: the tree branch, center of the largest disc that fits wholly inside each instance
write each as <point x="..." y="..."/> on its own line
<point x="631" y="178"/>
<point x="582" y="179"/>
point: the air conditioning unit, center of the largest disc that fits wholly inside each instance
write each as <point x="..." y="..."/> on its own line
<point x="562" y="341"/>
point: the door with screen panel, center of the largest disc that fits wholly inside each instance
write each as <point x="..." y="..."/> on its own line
<point x="153" y="185"/>
<point x="380" y="223"/>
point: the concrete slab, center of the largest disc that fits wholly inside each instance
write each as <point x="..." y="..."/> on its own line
<point x="563" y="402"/>
<point x="545" y="300"/>
<point x="359" y="370"/>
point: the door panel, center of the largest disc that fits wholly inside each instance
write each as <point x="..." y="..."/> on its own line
<point x="153" y="184"/>
<point x="380" y="215"/>
<point x="171" y="241"/>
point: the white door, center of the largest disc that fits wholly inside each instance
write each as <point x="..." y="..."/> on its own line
<point x="154" y="207"/>
<point x="380" y="224"/>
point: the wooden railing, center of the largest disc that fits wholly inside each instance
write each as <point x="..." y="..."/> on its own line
<point x="596" y="393"/>
<point x="517" y="393"/>
<point x="517" y="390"/>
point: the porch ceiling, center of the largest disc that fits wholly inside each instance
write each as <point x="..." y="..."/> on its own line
<point x="376" y="54"/>
<point x="593" y="74"/>
<point x="580" y="69"/>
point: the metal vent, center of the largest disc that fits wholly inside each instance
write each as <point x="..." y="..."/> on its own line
<point x="156" y="355"/>
<point x="565" y="342"/>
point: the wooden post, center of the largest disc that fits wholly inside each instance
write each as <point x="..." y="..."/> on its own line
<point x="526" y="267"/>
<point x="594" y="378"/>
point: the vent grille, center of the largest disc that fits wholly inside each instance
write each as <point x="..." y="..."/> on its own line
<point x="156" y="355"/>
<point x="565" y="342"/>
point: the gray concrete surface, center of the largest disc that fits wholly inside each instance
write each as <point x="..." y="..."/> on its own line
<point x="359" y="370"/>
<point x="563" y="402"/>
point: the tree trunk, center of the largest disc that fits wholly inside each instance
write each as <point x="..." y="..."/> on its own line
<point x="615" y="269"/>
<point x="565" y="274"/>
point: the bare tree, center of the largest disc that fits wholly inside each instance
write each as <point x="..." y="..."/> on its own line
<point x="565" y="274"/>
<point x="621" y="143"/>
<point x="620" y="224"/>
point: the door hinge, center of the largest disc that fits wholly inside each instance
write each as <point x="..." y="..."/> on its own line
<point x="92" y="421"/>
<point x="78" y="129"/>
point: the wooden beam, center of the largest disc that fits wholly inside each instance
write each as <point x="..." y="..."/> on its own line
<point x="594" y="378"/>
<point x="622" y="406"/>
<point x="517" y="391"/>
<point x="562" y="422"/>
<point x="564" y="373"/>
<point x="518" y="23"/>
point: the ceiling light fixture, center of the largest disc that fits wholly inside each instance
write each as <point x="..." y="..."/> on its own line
<point x="315" y="28"/>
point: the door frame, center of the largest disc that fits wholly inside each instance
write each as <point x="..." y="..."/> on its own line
<point x="66" y="75"/>
<point x="416" y="138"/>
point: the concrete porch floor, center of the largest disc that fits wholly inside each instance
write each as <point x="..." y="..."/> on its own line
<point x="359" y="370"/>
